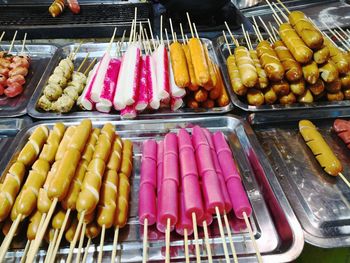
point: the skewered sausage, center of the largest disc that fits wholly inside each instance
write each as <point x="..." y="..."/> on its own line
<point x="270" y="61"/>
<point x="13" y="90"/>
<point x="319" y="147"/>
<point x="179" y="65"/>
<point x="281" y="88"/>
<point x="116" y="155"/>
<point x="298" y="88"/>
<point x="122" y="210"/>
<point x="311" y="72"/>
<point x="255" y="97"/>
<point x="235" y="79"/>
<point x="337" y="56"/>
<point x="293" y="71"/>
<point x="56" y="8"/>
<point x="200" y="65"/>
<point x="33" y="225"/>
<point x="246" y="68"/>
<point x="215" y="93"/>
<point x="306" y="30"/>
<point x="329" y="72"/>
<point x="213" y="79"/>
<point x="193" y="85"/>
<point x="74" y="6"/>
<point x="293" y="42"/>
<point x="18" y="71"/>
<point x="127" y="155"/>
<point x="223" y="100"/>
<point x="322" y="55"/>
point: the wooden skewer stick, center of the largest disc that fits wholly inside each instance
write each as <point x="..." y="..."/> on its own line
<point x="131" y="33"/>
<point x="279" y="20"/>
<point x="40" y="235"/>
<point x="336" y="24"/>
<point x="26" y="248"/>
<point x="255" y="245"/>
<point x="227" y="44"/>
<point x="195" y="30"/>
<point x="245" y="37"/>
<point x="81" y="242"/>
<point x="172" y="30"/>
<point x="335" y="35"/>
<point x="273" y="32"/>
<point x="13" y="42"/>
<point x="89" y="67"/>
<point x="115" y="243"/>
<point x="72" y="55"/>
<point x="341" y="39"/>
<point x="222" y="234"/>
<point x="120" y="45"/>
<point x="281" y="11"/>
<point x="7" y="241"/>
<point x="257" y="29"/>
<point x="145" y="241"/>
<point x="276" y="20"/>
<point x="190" y="24"/>
<point x="234" y="40"/>
<point x="2" y="35"/>
<point x="102" y="240"/>
<point x="161" y="29"/>
<point x="206" y="240"/>
<point x="187" y="255"/>
<point x="87" y="250"/>
<point x="151" y="32"/>
<point x="167" y="241"/>
<point x="75" y="238"/>
<point x="196" y="239"/>
<point x="83" y="62"/>
<point x="60" y="235"/>
<point x="285" y="8"/>
<point x="23" y="44"/>
<point x="135" y="26"/>
<point x="228" y="229"/>
<point x="257" y="33"/>
<point x="51" y="247"/>
<point x="182" y="33"/>
<point x="344" y="179"/>
<point x="267" y="29"/>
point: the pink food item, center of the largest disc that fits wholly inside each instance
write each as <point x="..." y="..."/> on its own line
<point x="184" y="221"/>
<point x="97" y="86"/>
<point x="176" y="103"/>
<point x="238" y="195"/>
<point x="142" y="98"/>
<point x="161" y="59"/>
<point x="228" y="205"/>
<point x="160" y="165"/>
<point x="210" y="182"/>
<point x="175" y="91"/>
<point x="153" y="96"/>
<point x="128" y="112"/>
<point x="84" y="101"/>
<point x="109" y="85"/>
<point x="189" y="176"/>
<point x="207" y="216"/>
<point x="169" y="189"/>
<point x="148" y="183"/>
<point x="74" y="6"/>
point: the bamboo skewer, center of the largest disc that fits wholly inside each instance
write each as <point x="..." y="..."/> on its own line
<point x="81" y="242"/>
<point x="13" y="42"/>
<point x="23" y="44"/>
<point x="83" y="62"/>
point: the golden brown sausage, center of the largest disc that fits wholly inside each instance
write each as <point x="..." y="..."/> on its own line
<point x="311" y="72"/>
<point x="293" y="71"/>
<point x="337" y="56"/>
<point x="122" y="210"/>
<point x="306" y="30"/>
<point x="333" y="87"/>
<point x="127" y="157"/>
<point x="56" y="8"/>
<point x="269" y="61"/>
<point x="236" y="82"/>
<point x="179" y="65"/>
<point x="306" y="97"/>
<point x="201" y="95"/>
<point x="329" y="72"/>
<point x="263" y="81"/>
<point x="71" y="230"/>
<point x="212" y="82"/>
<point x="200" y="65"/>
<point x="288" y="99"/>
<point x="319" y="147"/>
<point x="58" y="219"/>
<point x="270" y="96"/>
<point x="90" y="148"/>
<point x="193" y="85"/>
<point x="335" y="96"/>
<point x="255" y="97"/>
<point x="50" y="148"/>
<point x="80" y="136"/>
<point x="281" y="88"/>
<point x="65" y="142"/>
<point x="92" y="230"/>
<point x="298" y="88"/>
<point x="32" y="148"/>
<point x="216" y="91"/>
<point x="317" y="88"/>
<point x="116" y="155"/>
<point x="10" y="188"/>
<point x="223" y="100"/>
<point x="322" y="55"/>
<point x="293" y="42"/>
<point x="33" y="225"/>
<point x="246" y="67"/>
<point x="345" y="81"/>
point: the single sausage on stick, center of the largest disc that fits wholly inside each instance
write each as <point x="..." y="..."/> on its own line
<point x="329" y="72"/>
<point x="293" y="42"/>
<point x="235" y="78"/>
<point x="223" y="100"/>
<point x="56" y="8"/>
<point x="263" y="81"/>
<point x="213" y="79"/>
<point x="200" y="65"/>
<point x="193" y="85"/>
<point x="322" y="55"/>
<point x="121" y="216"/>
<point x="246" y="67"/>
<point x="293" y="71"/>
<point x="179" y="65"/>
<point x="319" y="147"/>
<point x="33" y="226"/>
<point x="311" y="72"/>
<point x="269" y="61"/>
<point x="127" y="156"/>
<point x="306" y="30"/>
<point x="337" y="56"/>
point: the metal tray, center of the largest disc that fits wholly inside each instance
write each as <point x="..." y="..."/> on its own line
<point x="321" y="202"/>
<point x="96" y="51"/>
<point x="40" y="55"/>
<point x="276" y="229"/>
<point x="223" y="53"/>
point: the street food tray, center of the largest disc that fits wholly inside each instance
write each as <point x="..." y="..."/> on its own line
<point x="273" y="110"/>
<point x="278" y="234"/>
<point x="40" y="55"/>
<point x="320" y="202"/>
<point x="96" y="50"/>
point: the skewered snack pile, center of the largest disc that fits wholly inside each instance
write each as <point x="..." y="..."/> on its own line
<point x="61" y="176"/>
<point x="304" y="66"/>
<point x="58" y="6"/>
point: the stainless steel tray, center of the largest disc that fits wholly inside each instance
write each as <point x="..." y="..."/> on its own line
<point x="223" y="53"/>
<point x="276" y="229"/>
<point x="96" y="51"/>
<point x="40" y="55"/>
<point x="321" y="202"/>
